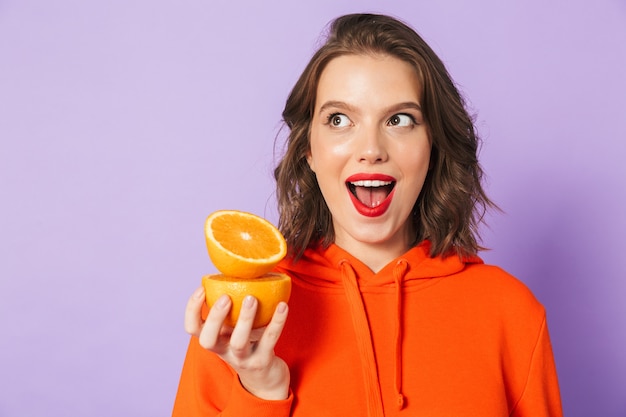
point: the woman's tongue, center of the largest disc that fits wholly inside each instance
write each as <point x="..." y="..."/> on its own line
<point x="371" y="196"/>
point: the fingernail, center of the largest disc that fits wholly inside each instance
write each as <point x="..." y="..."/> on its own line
<point x="198" y="293"/>
<point x="282" y="307"/>
<point x="222" y="301"/>
<point x="248" y="302"/>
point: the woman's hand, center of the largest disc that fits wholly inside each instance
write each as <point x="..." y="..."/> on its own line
<point x="250" y="352"/>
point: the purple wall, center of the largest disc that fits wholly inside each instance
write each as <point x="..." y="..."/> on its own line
<point x="123" y="124"/>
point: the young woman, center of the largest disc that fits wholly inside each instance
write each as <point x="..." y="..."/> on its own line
<point x="392" y="312"/>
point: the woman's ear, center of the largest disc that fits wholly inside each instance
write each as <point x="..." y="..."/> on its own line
<point x="431" y="162"/>
<point x="309" y="160"/>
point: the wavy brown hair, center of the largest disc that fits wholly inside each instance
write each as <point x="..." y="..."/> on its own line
<point x="452" y="202"/>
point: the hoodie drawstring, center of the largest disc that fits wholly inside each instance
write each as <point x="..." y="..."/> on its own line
<point x="398" y="275"/>
<point x="364" y="341"/>
<point x="364" y="338"/>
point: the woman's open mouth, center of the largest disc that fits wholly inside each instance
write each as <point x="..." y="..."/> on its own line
<point x="371" y="194"/>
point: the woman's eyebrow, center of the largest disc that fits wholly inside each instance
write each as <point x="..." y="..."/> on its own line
<point x="341" y="105"/>
<point x="404" y="106"/>
<point x="335" y="104"/>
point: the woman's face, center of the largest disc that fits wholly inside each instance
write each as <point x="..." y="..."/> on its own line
<point x="370" y="149"/>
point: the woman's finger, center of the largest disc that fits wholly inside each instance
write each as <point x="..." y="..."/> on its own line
<point x="193" y="312"/>
<point x="211" y="330"/>
<point x="273" y="330"/>
<point x="240" y="342"/>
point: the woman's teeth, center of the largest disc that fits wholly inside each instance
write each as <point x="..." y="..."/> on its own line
<point x="370" y="183"/>
<point x="371" y="193"/>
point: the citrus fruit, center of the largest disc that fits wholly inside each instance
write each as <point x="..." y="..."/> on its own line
<point x="242" y="244"/>
<point x="269" y="290"/>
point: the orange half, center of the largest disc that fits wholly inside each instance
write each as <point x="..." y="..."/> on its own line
<point x="269" y="289"/>
<point x="242" y="244"/>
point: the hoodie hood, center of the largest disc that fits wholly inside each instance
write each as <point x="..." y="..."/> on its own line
<point x="334" y="267"/>
<point x="320" y="266"/>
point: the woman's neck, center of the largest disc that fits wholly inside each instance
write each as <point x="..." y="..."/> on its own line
<point x="375" y="255"/>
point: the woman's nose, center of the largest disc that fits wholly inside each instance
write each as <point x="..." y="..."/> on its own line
<point x="372" y="147"/>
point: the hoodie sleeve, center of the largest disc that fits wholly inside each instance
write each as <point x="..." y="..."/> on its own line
<point x="209" y="387"/>
<point x="540" y="397"/>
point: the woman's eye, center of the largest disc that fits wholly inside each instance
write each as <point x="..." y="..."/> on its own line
<point x="401" y="120"/>
<point x="338" y="120"/>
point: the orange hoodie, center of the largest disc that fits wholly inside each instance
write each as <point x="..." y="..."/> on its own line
<point x="424" y="336"/>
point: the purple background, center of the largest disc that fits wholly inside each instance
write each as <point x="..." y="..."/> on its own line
<point x="123" y="124"/>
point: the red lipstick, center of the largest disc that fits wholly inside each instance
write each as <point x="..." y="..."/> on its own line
<point x="371" y="194"/>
